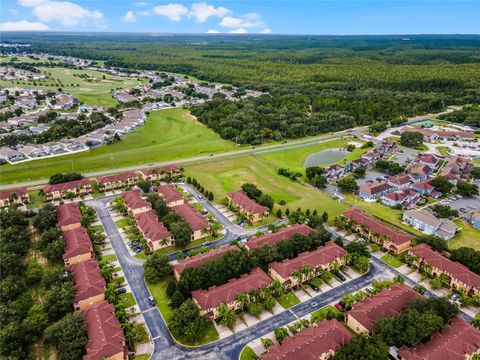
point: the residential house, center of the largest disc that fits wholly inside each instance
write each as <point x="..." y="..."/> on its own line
<point x="390" y="301"/>
<point x="358" y="163"/>
<point x="254" y="211"/>
<point x="27" y="102"/>
<point x="160" y="173"/>
<point x="430" y="160"/>
<point x="209" y="300"/>
<point x="458" y="276"/>
<point x="429" y="224"/>
<point x="197" y="223"/>
<point x="65" y="101"/>
<point x="89" y="284"/>
<point x="313" y="343"/>
<point x="135" y="203"/>
<point x="68" y="216"/>
<point x="426" y="188"/>
<point x="63" y="190"/>
<point x="387" y="148"/>
<point x="154" y="232"/>
<point x="373" y="191"/>
<point x="333" y="172"/>
<point x="106" y="340"/>
<point x="170" y="194"/>
<point x="452" y="175"/>
<point x="271" y="239"/>
<point x="458" y="340"/>
<point x="32" y="151"/>
<point x="473" y="218"/>
<point x="420" y="171"/>
<point x="404" y="197"/>
<point x="78" y="246"/>
<point x="10" y="155"/>
<point x="290" y="272"/>
<point x="117" y="181"/>
<point x="200" y="259"/>
<point x="400" y="181"/>
<point x="14" y="197"/>
<point x="459" y="164"/>
<point x="375" y="231"/>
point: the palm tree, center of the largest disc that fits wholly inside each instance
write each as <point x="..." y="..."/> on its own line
<point x="242" y="299"/>
<point x="265" y="292"/>
<point x="383" y="239"/>
<point x="253" y="295"/>
<point x="164" y="242"/>
<point x="348" y="258"/>
<point x="298" y="275"/>
<point x="214" y="228"/>
<point x="334" y="266"/>
<point x="307" y="271"/>
<point x="276" y="288"/>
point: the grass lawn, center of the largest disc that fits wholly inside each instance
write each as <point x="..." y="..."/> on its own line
<point x="476" y="161"/>
<point x="128" y="299"/>
<point x="322" y="313"/>
<point x="288" y="300"/>
<point x="93" y="90"/>
<point x="223" y="176"/>
<point x="110" y="258"/>
<point x="121" y="223"/>
<point x="294" y="158"/>
<point x="442" y="149"/>
<point x="477" y="316"/>
<point x="97" y="228"/>
<point x="248" y="354"/>
<point x="468" y="237"/>
<point x="158" y="292"/>
<point x="167" y="135"/>
<point x="142" y="357"/>
<point x="36" y="200"/>
<point x="391" y="260"/>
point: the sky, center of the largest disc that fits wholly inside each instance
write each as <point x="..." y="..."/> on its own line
<point x="357" y="17"/>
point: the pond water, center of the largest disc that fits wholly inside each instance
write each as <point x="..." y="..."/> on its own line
<point x="325" y="157"/>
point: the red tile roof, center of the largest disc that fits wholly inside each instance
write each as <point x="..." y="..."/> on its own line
<point x="194" y="220"/>
<point x="133" y="200"/>
<point x="311" y="343"/>
<point x="240" y="198"/>
<point x="226" y="293"/>
<point x="20" y="192"/>
<point x="454" y="342"/>
<point x="425" y="185"/>
<point x="88" y="280"/>
<point x="400" y="179"/>
<point x="198" y="260"/>
<point x="152" y="228"/>
<point x="105" y="336"/>
<point x="458" y="161"/>
<point x="163" y="169"/>
<point x="428" y="158"/>
<point x="455" y="269"/>
<point x="169" y="193"/>
<point x="440" y="133"/>
<point x="375" y="226"/>
<point x="271" y="239"/>
<point x="387" y="302"/>
<point x="420" y="168"/>
<point x="77" y="242"/>
<point x="67" y="186"/>
<point x="374" y="188"/>
<point x="68" y="214"/>
<point x="116" y="177"/>
<point x="322" y="256"/>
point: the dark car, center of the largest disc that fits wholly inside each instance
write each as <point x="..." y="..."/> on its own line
<point x="121" y="291"/>
<point x="379" y="179"/>
<point x="314" y="287"/>
<point x="238" y="238"/>
<point x="151" y="300"/>
<point x="340" y="276"/>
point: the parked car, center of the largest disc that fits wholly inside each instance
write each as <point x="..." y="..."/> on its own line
<point x="205" y="243"/>
<point x="379" y="179"/>
<point x="137" y="250"/>
<point x="339" y="307"/>
<point x="340" y="275"/>
<point x="463" y="210"/>
<point x="455" y="297"/>
<point x="240" y="222"/>
<point x="204" y="212"/>
<point x="200" y="196"/>
<point x="151" y="300"/>
<point x="111" y="265"/>
<point x="210" y="154"/>
<point x="121" y="291"/>
<point x="238" y="238"/>
<point x="314" y="287"/>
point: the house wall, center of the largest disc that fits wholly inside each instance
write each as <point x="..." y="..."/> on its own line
<point x="78" y="259"/>
<point x="156" y="245"/>
<point x="198" y="235"/>
<point x="86" y="303"/>
<point x="355" y="325"/>
<point x="19" y="201"/>
<point x="118" y="356"/>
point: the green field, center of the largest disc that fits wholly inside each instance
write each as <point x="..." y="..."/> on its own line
<point x="167" y="135"/>
<point x="288" y="300"/>
<point x="391" y="260"/>
<point x="94" y="90"/>
<point x="128" y="300"/>
<point x="468" y="237"/>
<point x="228" y="175"/>
<point x="248" y="354"/>
<point x="294" y="159"/>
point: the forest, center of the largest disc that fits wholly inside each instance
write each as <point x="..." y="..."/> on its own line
<point x="315" y="84"/>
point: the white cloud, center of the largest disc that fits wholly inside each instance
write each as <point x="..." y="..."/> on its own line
<point x="202" y="11"/>
<point x="130" y="17"/>
<point x="144" y="13"/>
<point x="252" y="16"/>
<point x="23" y="25"/>
<point x="238" y="31"/>
<point x="141" y="3"/>
<point x="174" y="12"/>
<point x="212" y="31"/>
<point x="266" y="31"/>
<point x="232" y="22"/>
<point x="66" y="12"/>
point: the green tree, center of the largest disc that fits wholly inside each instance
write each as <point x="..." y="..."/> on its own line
<point x="156" y="268"/>
<point x="68" y="336"/>
<point x="347" y="184"/>
<point x="227" y="316"/>
<point x="363" y="347"/>
<point x="186" y="322"/>
<point x="182" y="234"/>
<point x="411" y="139"/>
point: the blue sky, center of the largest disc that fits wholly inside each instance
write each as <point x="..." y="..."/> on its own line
<point x="253" y="16"/>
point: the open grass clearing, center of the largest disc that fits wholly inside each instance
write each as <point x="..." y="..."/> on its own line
<point x="121" y="223"/>
<point x="468" y="237"/>
<point x="248" y="354"/>
<point x="228" y="175"/>
<point x="391" y="260"/>
<point x="109" y="258"/>
<point x="159" y="293"/>
<point x="142" y="357"/>
<point x="167" y="135"/>
<point x="287" y="300"/>
<point x="128" y="300"/>
<point x="322" y="313"/>
<point x="36" y="200"/>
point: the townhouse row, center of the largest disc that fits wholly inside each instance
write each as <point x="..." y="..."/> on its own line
<point x="106" y="339"/>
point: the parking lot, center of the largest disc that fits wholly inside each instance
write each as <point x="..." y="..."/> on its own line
<point x="462" y="205"/>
